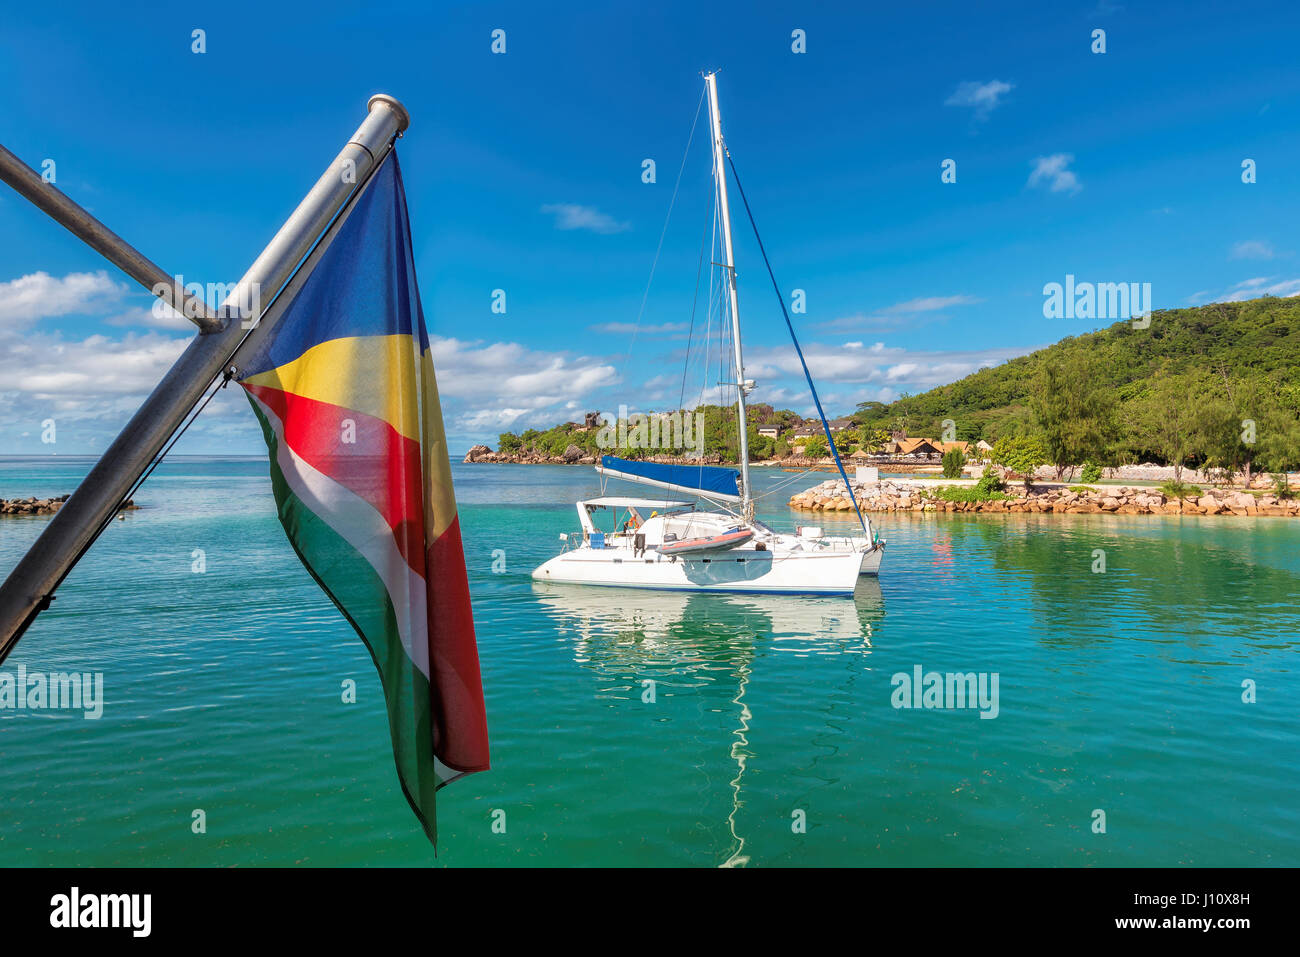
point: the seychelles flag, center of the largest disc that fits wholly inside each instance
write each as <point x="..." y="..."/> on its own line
<point x="345" y="391"/>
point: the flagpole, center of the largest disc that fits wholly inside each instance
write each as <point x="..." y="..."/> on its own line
<point x="30" y="586"/>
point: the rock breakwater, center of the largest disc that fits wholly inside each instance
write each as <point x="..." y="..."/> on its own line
<point x="886" y="496"/>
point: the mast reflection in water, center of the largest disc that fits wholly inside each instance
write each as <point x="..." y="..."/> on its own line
<point x="646" y="643"/>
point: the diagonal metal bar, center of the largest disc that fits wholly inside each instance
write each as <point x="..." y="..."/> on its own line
<point x="45" y="197"/>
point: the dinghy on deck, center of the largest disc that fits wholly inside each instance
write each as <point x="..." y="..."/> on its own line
<point x="731" y="538"/>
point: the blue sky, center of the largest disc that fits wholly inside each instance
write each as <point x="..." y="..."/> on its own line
<point x="523" y="173"/>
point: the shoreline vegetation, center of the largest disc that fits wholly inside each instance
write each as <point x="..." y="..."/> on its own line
<point x="1209" y="394"/>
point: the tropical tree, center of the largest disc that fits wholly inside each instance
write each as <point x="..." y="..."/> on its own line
<point x="1022" y="454"/>
<point x="761" y="447"/>
<point x="1277" y="446"/>
<point x="1223" y="436"/>
<point x="1243" y="420"/>
<point x="873" y="440"/>
<point x="1073" y="412"/>
<point x="953" y="462"/>
<point x="1171" y="419"/>
<point x="816" y="447"/>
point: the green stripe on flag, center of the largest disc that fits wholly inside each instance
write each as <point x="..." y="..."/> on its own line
<point x="359" y="593"/>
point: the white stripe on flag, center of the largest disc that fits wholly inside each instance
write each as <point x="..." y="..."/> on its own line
<point x="362" y="526"/>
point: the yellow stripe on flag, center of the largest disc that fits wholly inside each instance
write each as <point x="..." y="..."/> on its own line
<point x="374" y="375"/>
<point x="440" y="507"/>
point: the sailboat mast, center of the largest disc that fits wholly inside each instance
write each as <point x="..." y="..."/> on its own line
<point x="742" y="385"/>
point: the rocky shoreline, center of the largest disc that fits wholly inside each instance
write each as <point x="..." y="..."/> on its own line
<point x="31" y="506"/>
<point x="831" y="496"/>
<point x="481" y="453"/>
<point x="42" y="506"/>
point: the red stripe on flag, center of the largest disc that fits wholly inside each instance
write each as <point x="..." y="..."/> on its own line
<point x="460" y="736"/>
<point x="381" y="466"/>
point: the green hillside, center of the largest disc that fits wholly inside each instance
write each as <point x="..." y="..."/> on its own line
<point x="1215" y="386"/>
<point x="1256" y="341"/>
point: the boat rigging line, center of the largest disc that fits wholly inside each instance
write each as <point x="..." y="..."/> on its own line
<point x="699" y="270"/>
<point x="830" y="440"/>
<point x="662" y="233"/>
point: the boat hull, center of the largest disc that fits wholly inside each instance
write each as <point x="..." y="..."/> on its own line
<point x="742" y="570"/>
<point x="871" y="560"/>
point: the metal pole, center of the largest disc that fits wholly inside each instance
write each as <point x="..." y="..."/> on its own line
<point x="746" y="498"/>
<point x="29" y="184"/>
<point x="30" y="586"/>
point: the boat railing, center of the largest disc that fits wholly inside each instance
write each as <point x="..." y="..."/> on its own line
<point x="845" y="541"/>
<point x="602" y="540"/>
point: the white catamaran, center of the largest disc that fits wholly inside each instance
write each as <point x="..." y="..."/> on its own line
<point x="682" y="545"/>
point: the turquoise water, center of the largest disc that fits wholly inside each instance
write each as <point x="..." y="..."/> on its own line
<point x="1119" y="691"/>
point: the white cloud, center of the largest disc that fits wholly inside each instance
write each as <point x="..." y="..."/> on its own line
<point x="508" y="370"/>
<point x="41" y="296"/>
<point x="860" y="320"/>
<point x="981" y="97"/>
<point x="89" y="386"/>
<point x="1054" y="172"/>
<point x="165" y="318"/>
<point x="573" y="216"/>
<point x="711" y="395"/>
<point x="900" y="313"/>
<point x="1248" y="289"/>
<point x="48" y="368"/>
<point x="931" y="303"/>
<point x="880" y="365"/>
<point x="1262" y="286"/>
<point x="629" y="328"/>
<point x="492" y="419"/>
<point x="1252" y="249"/>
